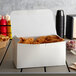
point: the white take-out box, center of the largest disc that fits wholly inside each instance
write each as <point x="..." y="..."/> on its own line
<point x="34" y="23"/>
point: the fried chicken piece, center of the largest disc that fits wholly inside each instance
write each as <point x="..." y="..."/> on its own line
<point x="46" y="41"/>
<point x="41" y="39"/>
<point x="50" y="37"/>
<point x="29" y="41"/>
<point x="53" y="38"/>
<point x="22" y="39"/>
<point x="3" y="38"/>
<point x="61" y="39"/>
<point x="35" y="42"/>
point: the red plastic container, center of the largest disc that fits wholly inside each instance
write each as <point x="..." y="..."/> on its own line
<point x="3" y="27"/>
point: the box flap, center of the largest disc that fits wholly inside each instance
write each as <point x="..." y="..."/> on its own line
<point x="29" y="23"/>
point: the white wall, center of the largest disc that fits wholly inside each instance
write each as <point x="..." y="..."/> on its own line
<point x="6" y="6"/>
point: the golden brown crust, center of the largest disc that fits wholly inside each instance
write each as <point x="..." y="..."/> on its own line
<point x="35" y="42"/>
<point x="26" y="40"/>
<point x="3" y="38"/>
<point x="41" y="39"/>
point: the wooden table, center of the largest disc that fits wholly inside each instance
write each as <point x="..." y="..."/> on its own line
<point x="6" y="63"/>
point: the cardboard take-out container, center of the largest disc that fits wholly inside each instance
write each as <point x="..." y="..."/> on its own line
<point x="34" y="23"/>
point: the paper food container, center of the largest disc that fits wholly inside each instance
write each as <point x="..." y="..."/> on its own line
<point x="4" y="44"/>
<point x="34" y="23"/>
